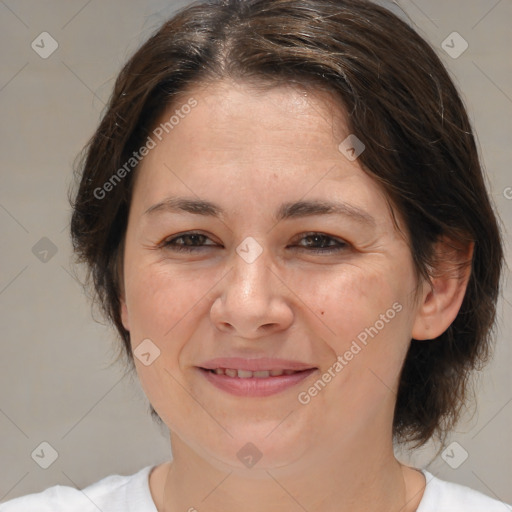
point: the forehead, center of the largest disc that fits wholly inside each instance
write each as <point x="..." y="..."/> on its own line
<point x="241" y="144"/>
<point x="270" y="128"/>
<point x="234" y="112"/>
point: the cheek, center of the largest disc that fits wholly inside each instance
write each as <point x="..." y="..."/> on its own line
<point x="365" y="321"/>
<point x="373" y="330"/>
<point x="350" y="301"/>
<point x="163" y="307"/>
<point x="159" y="301"/>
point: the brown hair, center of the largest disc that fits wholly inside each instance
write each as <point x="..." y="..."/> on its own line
<point x="400" y="101"/>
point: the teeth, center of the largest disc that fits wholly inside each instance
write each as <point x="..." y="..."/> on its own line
<point x="247" y="374"/>
<point x="261" y="373"/>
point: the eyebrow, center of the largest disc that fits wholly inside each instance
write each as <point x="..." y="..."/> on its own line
<point x="290" y="210"/>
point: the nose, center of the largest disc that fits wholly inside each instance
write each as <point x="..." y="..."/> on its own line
<point x="252" y="300"/>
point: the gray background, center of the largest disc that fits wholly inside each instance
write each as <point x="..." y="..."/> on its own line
<point x="57" y="383"/>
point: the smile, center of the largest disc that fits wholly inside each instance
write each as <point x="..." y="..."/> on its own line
<point x="247" y="374"/>
<point x="258" y="383"/>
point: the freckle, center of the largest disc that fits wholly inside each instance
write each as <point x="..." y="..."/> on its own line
<point x="321" y="312"/>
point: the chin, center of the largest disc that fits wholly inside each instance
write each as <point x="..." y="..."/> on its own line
<point x="254" y="451"/>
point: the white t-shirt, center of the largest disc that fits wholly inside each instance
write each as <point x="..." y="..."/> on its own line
<point x="116" y="493"/>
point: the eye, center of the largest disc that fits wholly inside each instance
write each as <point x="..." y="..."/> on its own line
<point x="194" y="241"/>
<point x="321" y="239"/>
<point x="178" y="243"/>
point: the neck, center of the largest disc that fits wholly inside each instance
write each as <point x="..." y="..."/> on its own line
<point x="354" y="478"/>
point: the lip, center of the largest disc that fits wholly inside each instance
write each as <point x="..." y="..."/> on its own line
<point x="254" y="365"/>
<point x="255" y="386"/>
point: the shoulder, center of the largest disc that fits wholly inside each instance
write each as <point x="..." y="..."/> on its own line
<point x="442" y="496"/>
<point x="114" y="493"/>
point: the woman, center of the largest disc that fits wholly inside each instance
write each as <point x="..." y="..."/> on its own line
<point x="284" y="215"/>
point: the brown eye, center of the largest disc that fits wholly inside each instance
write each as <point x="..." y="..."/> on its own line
<point x="316" y="242"/>
<point x="322" y="243"/>
<point x="186" y="242"/>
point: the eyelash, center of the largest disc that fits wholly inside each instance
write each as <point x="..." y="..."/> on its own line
<point x="169" y="243"/>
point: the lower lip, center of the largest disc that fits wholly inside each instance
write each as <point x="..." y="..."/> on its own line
<point x="255" y="386"/>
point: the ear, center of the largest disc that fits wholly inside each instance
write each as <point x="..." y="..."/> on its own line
<point x="440" y="303"/>
<point x="124" y="314"/>
<point x="119" y="271"/>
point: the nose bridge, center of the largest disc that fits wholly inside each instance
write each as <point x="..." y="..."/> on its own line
<point x="251" y="272"/>
<point x="249" y="298"/>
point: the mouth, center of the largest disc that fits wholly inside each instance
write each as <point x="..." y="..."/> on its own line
<point x="248" y="374"/>
<point x="251" y="378"/>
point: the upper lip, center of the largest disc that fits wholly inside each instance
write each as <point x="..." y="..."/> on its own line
<point x="254" y="365"/>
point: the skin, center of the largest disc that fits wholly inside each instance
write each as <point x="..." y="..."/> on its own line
<point x="249" y="151"/>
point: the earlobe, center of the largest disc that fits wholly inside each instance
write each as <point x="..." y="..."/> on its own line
<point x="441" y="302"/>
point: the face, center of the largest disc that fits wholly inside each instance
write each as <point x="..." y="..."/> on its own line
<point x="326" y="296"/>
